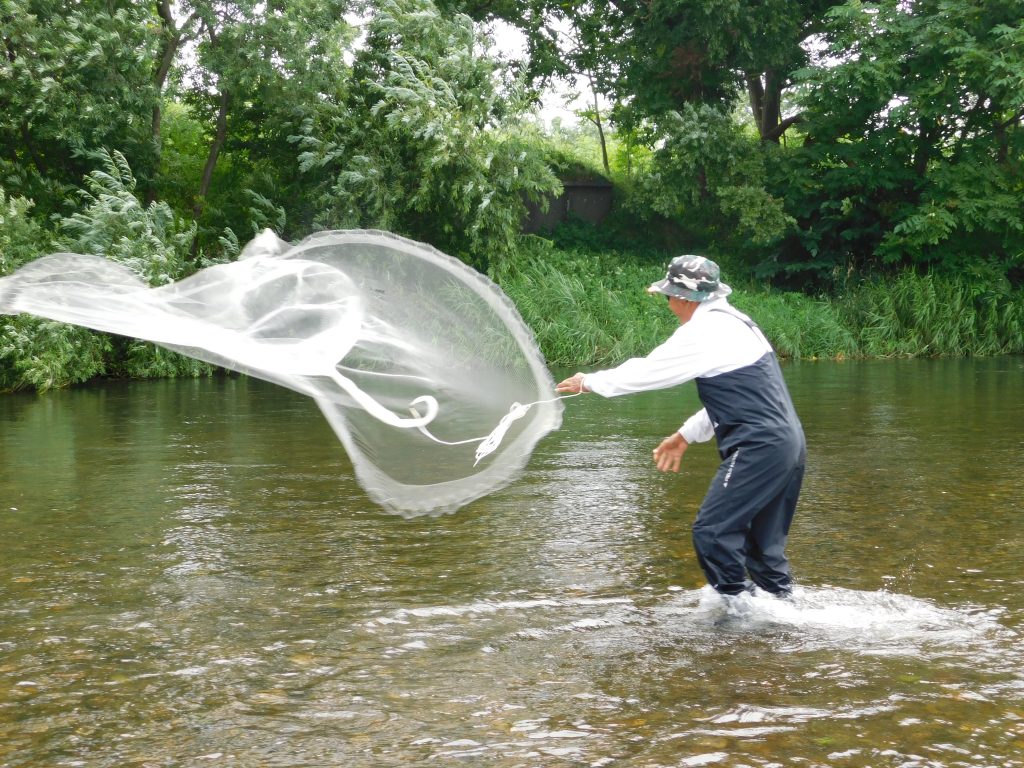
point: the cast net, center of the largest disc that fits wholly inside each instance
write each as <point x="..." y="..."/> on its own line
<point x="421" y="365"/>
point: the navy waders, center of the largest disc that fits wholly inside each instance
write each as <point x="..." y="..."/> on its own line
<point x="743" y="522"/>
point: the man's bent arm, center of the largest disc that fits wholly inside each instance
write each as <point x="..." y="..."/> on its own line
<point x="698" y="428"/>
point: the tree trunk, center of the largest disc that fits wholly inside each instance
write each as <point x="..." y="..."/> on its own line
<point x="604" y="144"/>
<point x="171" y="47"/>
<point x="211" y="162"/>
<point x="755" y="92"/>
<point x="172" y="39"/>
<point x="766" y="105"/>
<point x="171" y="44"/>
<point x="1002" y="139"/>
<point x="927" y="131"/>
<point x="772" y="108"/>
<point x="600" y="127"/>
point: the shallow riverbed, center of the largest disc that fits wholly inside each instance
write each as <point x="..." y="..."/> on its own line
<point x="189" y="576"/>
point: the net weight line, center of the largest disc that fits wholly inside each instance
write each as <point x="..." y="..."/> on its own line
<point x="488" y="442"/>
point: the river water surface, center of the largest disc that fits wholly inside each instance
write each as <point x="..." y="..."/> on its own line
<point x="189" y="576"/>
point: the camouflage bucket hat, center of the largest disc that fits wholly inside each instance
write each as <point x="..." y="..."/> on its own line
<point x="693" y="278"/>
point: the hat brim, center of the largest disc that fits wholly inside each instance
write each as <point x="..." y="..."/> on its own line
<point x="668" y="288"/>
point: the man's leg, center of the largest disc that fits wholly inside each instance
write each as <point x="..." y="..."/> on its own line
<point x="766" y="543"/>
<point x="746" y="482"/>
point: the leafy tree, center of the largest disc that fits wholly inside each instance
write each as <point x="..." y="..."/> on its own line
<point x="22" y="238"/>
<point x="708" y="174"/>
<point x="655" y="57"/>
<point x="114" y="223"/>
<point x="425" y="142"/>
<point x="915" y="142"/>
<point x="676" y="71"/>
<point x="74" y="77"/>
<point x="35" y="352"/>
<point x="260" y="69"/>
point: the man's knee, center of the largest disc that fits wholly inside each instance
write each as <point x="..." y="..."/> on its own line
<point x="704" y="540"/>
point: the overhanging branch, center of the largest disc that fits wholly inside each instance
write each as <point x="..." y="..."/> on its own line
<point x="776" y="132"/>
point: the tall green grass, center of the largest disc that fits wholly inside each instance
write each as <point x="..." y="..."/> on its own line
<point x="587" y="308"/>
<point x="929" y="315"/>
<point x="592" y="309"/>
<point x="798" y="326"/>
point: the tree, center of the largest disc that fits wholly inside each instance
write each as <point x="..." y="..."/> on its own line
<point x="173" y="35"/>
<point x="675" y="71"/>
<point x="111" y="222"/>
<point x="709" y="175"/>
<point x="426" y="142"/>
<point x="73" y="78"/>
<point x="260" y="69"/>
<point x="915" y="139"/>
<point x="655" y="57"/>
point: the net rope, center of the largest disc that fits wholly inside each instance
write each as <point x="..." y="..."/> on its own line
<point x="488" y="443"/>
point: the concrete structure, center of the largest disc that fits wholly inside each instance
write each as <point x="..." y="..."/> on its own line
<point x="589" y="199"/>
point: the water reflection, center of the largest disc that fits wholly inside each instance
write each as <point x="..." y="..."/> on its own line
<point x="189" y="576"/>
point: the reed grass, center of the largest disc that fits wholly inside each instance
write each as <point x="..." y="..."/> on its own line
<point x="587" y="309"/>
<point x="938" y="316"/>
<point x="798" y="326"/>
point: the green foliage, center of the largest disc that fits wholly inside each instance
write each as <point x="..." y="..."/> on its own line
<point x="710" y="175"/>
<point x="261" y="72"/>
<point x="42" y="354"/>
<point x="576" y="150"/>
<point x="425" y="143"/>
<point x="150" y="240"/>
<point x="914" y="139"/>
<point x="113" y="223"/>
<point x="33" y="352"/>
<point x="183" y="147"/>
<point x="22" y="238"/>
<point x="592" y="309"/>
<point x="798" y="326"/>
<point x="585" y="308"/>
<point x="902" y="192"/>
<point x="913" y="315"/>
<point x="622" y="237"/>
<point x="653" y="58"/>
<point x="74" y="77"/>
<point x="573" y="152"/>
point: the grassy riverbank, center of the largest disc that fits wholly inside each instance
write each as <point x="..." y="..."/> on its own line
<point x="588" y="307"/>
<point x="591" y="308"/>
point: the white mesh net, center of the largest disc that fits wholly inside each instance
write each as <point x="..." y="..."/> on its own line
<point x="422" y="366"/>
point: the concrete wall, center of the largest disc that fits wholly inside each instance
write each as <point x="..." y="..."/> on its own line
<point x="587" y="200"/>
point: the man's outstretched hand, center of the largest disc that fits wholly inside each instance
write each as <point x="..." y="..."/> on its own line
<point x="573" y="385"/>
<point x="669" y="454"/>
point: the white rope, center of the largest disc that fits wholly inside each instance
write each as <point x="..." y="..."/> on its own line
<point x="489" y="442"/>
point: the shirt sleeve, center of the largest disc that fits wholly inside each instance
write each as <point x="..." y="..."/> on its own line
<point x="679" y="359"/>
<point x="698" y="428"/>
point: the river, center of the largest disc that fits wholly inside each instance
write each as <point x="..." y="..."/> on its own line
<point x="189" y="576"/>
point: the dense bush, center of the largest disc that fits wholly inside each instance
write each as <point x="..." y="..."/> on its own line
<point x="427" y="142"/>
<point x="112" y="222"/>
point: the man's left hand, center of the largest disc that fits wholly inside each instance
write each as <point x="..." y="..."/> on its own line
<point x="669" y="454"/>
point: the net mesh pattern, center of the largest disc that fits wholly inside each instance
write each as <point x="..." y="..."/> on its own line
<point x="412" y="356"/>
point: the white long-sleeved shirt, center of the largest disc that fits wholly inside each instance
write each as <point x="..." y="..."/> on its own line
<point x="708" y="344"/>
